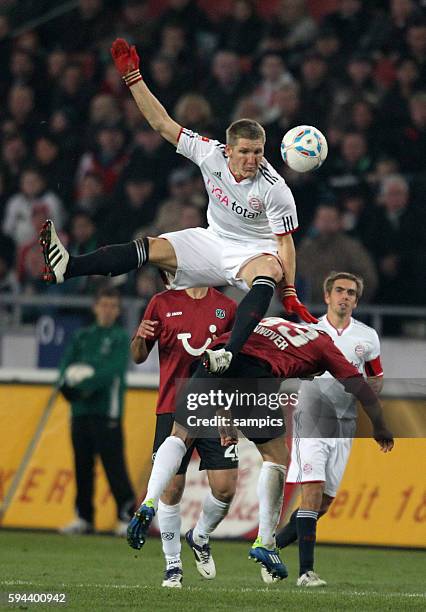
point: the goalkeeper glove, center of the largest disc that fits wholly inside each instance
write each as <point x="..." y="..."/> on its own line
<point x="126" y="60"/>
<point x="292" y="305"/>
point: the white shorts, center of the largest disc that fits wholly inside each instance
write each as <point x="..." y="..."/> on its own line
<point x="205" y="259"/>
<point x="319" y="460"/>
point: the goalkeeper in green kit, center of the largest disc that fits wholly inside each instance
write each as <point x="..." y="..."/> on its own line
<point x="92" y="375"/>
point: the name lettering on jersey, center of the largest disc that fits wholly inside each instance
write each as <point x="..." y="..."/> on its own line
<point x="220" y="313"/>
<point x="224" y="199"/>
<point x="178" y="313"/>
<point x="196" y="352"/>
<point x="277" y="339"/>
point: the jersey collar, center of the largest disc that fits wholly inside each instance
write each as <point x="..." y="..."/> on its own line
<point x="338" y="332"/>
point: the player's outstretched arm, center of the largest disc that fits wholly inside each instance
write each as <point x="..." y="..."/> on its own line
<point x="288" y="294"/>
<point x="138" y="347"/>
<point x="126" y="60"/>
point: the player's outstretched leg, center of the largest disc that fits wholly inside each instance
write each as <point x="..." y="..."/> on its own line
<point x="270" y="560"/>
<point x="203" y="556"/>
<point x="110" y="260"/>
<point x="139" y="525"/>
<point x="217" y="361"/>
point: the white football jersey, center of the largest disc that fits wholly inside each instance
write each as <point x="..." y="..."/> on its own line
<point x="325" y="395"/>
<point x="256" y="207"/>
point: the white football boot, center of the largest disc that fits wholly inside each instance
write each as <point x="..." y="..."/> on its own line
<point x="217" y="361"/>
<point x="310" y="579"/>
<point x="55" y="255"/>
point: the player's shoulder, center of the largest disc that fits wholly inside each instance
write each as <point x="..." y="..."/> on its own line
<point x="269" y="175"/>
<point x="216" y="294"/>
<point x="360" y="327"/>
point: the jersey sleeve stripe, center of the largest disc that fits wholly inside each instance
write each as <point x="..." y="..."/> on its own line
<point x="286" y="233"/>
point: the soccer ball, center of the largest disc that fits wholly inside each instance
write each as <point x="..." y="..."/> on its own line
<point x="304" y="148"/>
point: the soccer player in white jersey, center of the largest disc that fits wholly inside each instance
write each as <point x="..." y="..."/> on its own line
<point x="251" y="215"/>
<point x="318" y="463"/>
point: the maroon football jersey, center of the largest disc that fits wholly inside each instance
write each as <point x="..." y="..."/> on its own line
<point x="186" y="327"/>
<point x="295" y="351"/>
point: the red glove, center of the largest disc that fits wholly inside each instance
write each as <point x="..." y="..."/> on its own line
<point x="292" y="305"/>
<point x="126" y="60"/>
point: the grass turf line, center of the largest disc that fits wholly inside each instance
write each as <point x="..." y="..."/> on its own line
<point x="102" y="573"/>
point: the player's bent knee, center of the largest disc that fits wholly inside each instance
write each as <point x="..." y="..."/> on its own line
<point x="224" y="494"/>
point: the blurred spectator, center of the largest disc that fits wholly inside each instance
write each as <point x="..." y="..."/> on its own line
<point x="394" y="107"/>
<point x="273" y="75"/>
<point x="55" y="167"/>
<point x="73" y="91"/>
<point x="189" y="17"/>
<point x="240" y="31"/>
<point x="18" y="219"/>
<point x="287" y="101"/>
<point x="104" y="109"/>
<point x="164" y="82"/>
<point x="80" y="29"/>
<point x="20" y="105"/>
<point x="56" y="62"/>
<point x="416" y="45"/>
<point x="298" y="29"/>
<point x="175" y="47"/>
<point x="135" y="210"/>
<point x="247" y="108"/>
<point x="14" y="155"/>
<point x="152" y="154"/>
<point x="327" y="45"/>
<point x="194" y="112"/>
<point x="8" y="280"/>
<point x="390" y="36"/>
<point x="329" y="249"/>
<point x="348" y="170"/>
<point x="350" y="22"/>
<point x="395" y="237"/>
<point x="226" y="85"/>
<point x="357" y="82"/>
<point x="92" y="198"/>
<point x="108" y="157"/>
<point x="408" y="142"/>
<point x="83" y="238"/>
<point x="316" y="91"/>
<point x="135" y="24"/>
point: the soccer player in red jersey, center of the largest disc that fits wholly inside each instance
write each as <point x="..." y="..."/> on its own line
<point x="280" y="349"/>
<point x="184" y="323"/>
<point x="251" y="216"/>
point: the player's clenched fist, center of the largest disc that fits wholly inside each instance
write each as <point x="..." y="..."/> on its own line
<point x="146" y="329"/>
<point x="126" y="60"/>
<point x="293" y="305"/>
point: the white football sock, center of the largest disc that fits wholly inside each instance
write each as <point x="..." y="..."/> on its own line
<point x="169" y="522"/>
<point x="270" y="492"/>
<point x="167" y="462"/>
<point x="213" y="512"/>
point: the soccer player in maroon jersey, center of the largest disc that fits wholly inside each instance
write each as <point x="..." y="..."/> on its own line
<point x="251" y="216"/>
<point x="184" y="323"/>
<point x="276" y="348"/>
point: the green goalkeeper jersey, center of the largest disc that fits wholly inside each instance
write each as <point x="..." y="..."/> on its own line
<point x="106" y="349"/>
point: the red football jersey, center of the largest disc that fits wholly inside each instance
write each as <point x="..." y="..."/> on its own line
<point x="295" y="351"/>
<point x="186" y="327"/>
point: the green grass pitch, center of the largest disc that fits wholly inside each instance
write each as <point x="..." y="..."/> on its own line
<point x="103" y="573"/>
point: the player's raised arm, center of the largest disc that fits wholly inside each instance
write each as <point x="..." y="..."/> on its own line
<point x="126" y="60"/>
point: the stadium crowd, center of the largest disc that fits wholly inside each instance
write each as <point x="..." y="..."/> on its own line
<point x="74" y="146"/>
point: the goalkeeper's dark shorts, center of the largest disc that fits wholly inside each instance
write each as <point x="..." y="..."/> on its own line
<point x="246" y="375"/>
